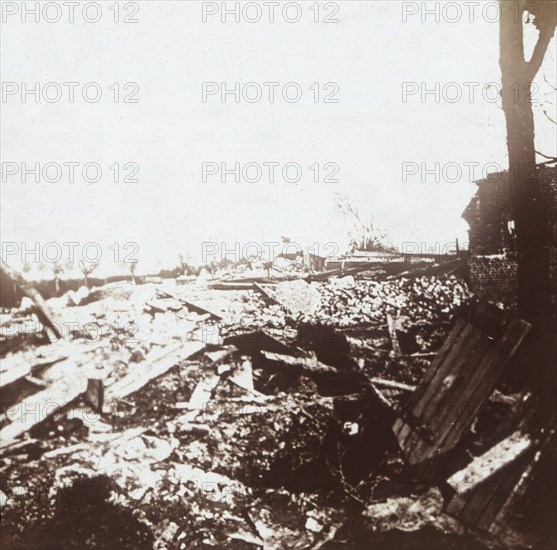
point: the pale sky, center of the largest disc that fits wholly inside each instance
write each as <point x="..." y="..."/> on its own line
<point x="170" y="132"/>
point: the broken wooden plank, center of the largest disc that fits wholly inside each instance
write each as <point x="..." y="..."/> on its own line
<point x="263" y="291"/>
<point x="180" y="405"/>
<point x="392" y="385"/>
<point x="342" y="272"/>
<point x="486" y="504"/>
<point x="65" y="380"/>
<point x="220" y="355"/>
<point x="243" y="376"/>
<point x="446" y="268"/>
<point x="251" y="343"/>
<point x="94" y="394"/>
<point x="231" y="286"/>
<point x="306" y="363"/>
<point x="16" y="372"/>
<point x="154" y="365"/>
<point x="18" y="446"/>
<point x="201" y="310"/>
<point x="70" y="449"/>
<point x="491" y="461"/>
<point x="458" y="381"/>
<point x="199" y="399"/>
<point x="190" y="305"/>
<point x="262" y="280"/>
<point x="71" y="381"/>
<point x="37" y="382"/>
<point x="359" y="343"/>
<point x="543" y="459"/>
<point x="16" y="366"/>
<point x="203" y="391"/>
<point x="392" y="333"/>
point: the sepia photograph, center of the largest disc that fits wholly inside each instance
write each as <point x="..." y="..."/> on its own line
<point x="278" y="275"/>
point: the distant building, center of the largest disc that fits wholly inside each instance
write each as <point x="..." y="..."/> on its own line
<point x="493" y="262"/>
<point x="316" y="262"/>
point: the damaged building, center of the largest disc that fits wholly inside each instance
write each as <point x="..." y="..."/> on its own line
<point x="493" y="262"/>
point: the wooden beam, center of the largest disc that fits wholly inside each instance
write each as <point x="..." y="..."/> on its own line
<point x="191" y="306"/>
<point x="44" y="312"/>
<point x="392" y="333"/>
<point x="490" y="462"/>
<point x="154" y="365"/>
<point x="308" y="364"/>
<point x="392" y="385"/>
<point x="489" y="488"/>
<point x="17" y="366"/>
<point x="69" y="379"/>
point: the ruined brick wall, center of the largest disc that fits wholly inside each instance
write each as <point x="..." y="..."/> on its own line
<point x="495" y="278"/>
<point x="493" y="274"/>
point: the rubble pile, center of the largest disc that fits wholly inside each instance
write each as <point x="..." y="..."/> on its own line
<point x="299" y="298"/>
<point x="349" y="301"/>
<point x="174" y="415"/>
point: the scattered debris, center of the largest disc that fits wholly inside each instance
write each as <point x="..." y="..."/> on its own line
<point x="310" y="423"/>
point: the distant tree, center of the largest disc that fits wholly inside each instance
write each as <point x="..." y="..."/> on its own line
<point x="87" y="268"/>
<point x="364" y="232"/>
<point x="132" y="266"/>
<point x="268" y="266"/>
<point x="183" y="264"/>
<point x="213" y="266"/>
<point x="57" y="269"/>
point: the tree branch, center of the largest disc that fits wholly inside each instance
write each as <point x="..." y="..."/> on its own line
<point x="548" y="117"/>
<point x="546" y="157"/>
<point x="533" y="66"/>
<point x="551" y="85"/>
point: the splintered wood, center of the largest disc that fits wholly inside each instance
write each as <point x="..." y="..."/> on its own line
<point x="490" y="487"/>
<point x="154" y="366"/>
<point x="457" y="383"/>
<point x="70" y="378"/>
<point x="490" y="462"/>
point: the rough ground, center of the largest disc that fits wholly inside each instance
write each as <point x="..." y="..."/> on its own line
<point x="290" y="462"/>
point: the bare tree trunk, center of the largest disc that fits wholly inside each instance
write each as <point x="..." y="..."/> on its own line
<point x="527" y="206"/>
